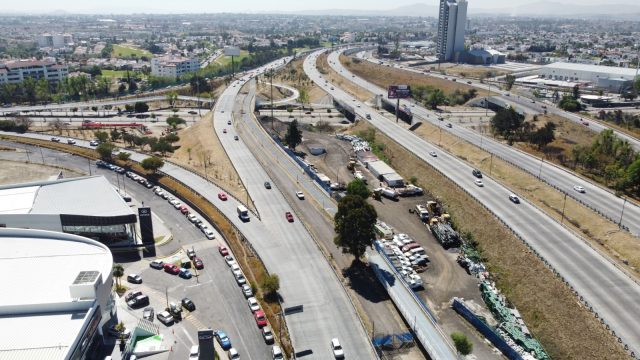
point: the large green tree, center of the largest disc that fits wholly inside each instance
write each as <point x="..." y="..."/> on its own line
<point x="509" y="81"/>
<point x="105" y="150"/>
<point x="102" y="136"/>
<point x="152" y="164"/>
<point x="359" y="188"/>
<point x="436" y="98"/>
<point x="118" y="272"/>
<point x="463" y="345"/>
<point x="507" y="122"/>
<point x="293" y="137"/>
<point x="354" y="225"/>
<point x="543" y="136"/>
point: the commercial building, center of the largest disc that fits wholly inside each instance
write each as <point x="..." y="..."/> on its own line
<point x="452" y="24"/>
<point x="485" y="57"/>
<point x="173" y="66"/>
<point x="55" y="41"/>
<point x="613" y="79"/>
<point x="384" y="172"/>
<point x="57" y="300"/>
<point x="86" y="206"/>
<point x="17" y="71"/>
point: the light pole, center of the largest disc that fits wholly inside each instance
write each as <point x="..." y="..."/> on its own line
<point x="622" y="213"/>
<point x="563" y="207"/>
<point x="540" y="171"/>
<point x="491" y="165"/>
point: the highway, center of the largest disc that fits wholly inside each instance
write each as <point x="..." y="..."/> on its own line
<point x="611" y="292"/>
<point x="595" y="196"/>
<point x="288" y="250"/>
<point x="596" y="126"/>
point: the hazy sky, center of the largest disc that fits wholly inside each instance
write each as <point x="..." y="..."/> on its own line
<point x="189" y="6"/>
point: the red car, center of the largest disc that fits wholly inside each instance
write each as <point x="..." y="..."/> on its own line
<point x="171" y="269"/>
<point x="184" y="210"/>
<point x="223" y="250"/>
<point x="197" y="262"/>
<point x="222" y="196"/>
<point x="289" y="216"/>
<point x="261" y="319"/>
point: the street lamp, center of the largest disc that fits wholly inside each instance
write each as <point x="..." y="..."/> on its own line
<point x="622" y="213"/>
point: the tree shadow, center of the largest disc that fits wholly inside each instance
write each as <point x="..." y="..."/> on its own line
<point x="363" y="281"/>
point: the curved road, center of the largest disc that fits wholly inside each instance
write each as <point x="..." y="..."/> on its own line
<point x="595" y="196"/>
<point x="611" y="292"/>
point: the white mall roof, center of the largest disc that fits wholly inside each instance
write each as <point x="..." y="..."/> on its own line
<point x="38" y="317"/>
<point x="89" y="196"/>
<point x="609" y="71"/>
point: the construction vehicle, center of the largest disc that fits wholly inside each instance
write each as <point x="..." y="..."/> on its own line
<point x="434" y="208"/>
<point x="352" y="165"/>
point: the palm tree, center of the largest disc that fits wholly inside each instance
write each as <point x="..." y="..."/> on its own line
<point x="118" y="272"/>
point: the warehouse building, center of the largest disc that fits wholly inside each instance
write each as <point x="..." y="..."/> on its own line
<point x="85" y="206"/>
<point x="610" y="78"/>
<point x="59" y="301"/>
<point x="384" y="172"/>
<point x="485" y="57"/>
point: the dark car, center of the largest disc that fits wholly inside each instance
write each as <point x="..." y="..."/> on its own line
<point x="132" y="295"/>
<point x="188" y="304"/>
<point x="134" y="278"/>
<point x="191" y="253"/>
<point x="267" y="185"/>
<point x="138" y="301"/>
<point x="223" y="339"/>
<point x="477" y="173"/>
<point x="197" y="262"/>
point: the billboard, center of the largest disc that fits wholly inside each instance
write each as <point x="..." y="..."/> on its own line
<point x="231" y="51"/>
<point x="399" y="92"/>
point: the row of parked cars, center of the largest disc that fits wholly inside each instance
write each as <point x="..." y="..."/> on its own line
<point x="193" y="218"/>
<point x="408" y="257"/>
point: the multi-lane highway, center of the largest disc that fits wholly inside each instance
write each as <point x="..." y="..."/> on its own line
<point x="288" y="250"/>
<point x="610" y="291"/>
<point x="595" y="196"/>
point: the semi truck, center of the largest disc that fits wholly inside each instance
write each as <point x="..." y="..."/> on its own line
<point x="243" y="213"/>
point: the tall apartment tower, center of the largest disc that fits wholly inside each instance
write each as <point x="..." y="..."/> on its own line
<point x="452" y="22"/>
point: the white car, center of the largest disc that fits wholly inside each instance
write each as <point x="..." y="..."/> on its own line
<point x="194" y="353"/>
<point x="192" y="218"/>
<point x="208" y="233"/>
<point x="71" y="142"/>
<point x="233" y="354"/>
<point x="240" y="279"/>
<point x="229" y="260"/>
<point x="514" y="198"/>
<point x="300" y="195"/>
<point x="338" y="353"/>
<point x="433" y="153"/>
<point x="165" y="318"/>
<point x="93" y="143"/>
<point x="478" y="182"/>
<point x="276" y="353"/>
<point x="579" y="189"/>
<point x="246" y="289"/>
<point x="253" y="304"/>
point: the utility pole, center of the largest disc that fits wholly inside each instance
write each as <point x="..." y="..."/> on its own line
<point x="491" y="165"/>
<point x="540" y="171"/>
<point x="41" y="154"/>
<point x="563" y="207"/>
<point x="26" y="151"/>
<point x="622" y="214"/>
<point x="89" y="164"/>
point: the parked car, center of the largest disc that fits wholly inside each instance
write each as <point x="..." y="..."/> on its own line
<point x="156" y="264"/>
<point x="171" y="269"/>
<point x="184" y="210"/>
<point x="223" y="250"/>
<point x="193" y="218"/>
<point x="223" y="339"/>
<point x="147" y="313"/>
<point x="188" y="304"/>
<point x="289" y="216"/>
<point x="240" y="279"/>
<point x="191" y="253"/>
<point x="185" y="273"/>
<point x="261" y="318"/>
<point x="300" y="195"/>
<point x="267" y="335"/>
<point x="253" y="304"/>
<point x="138" y="301"/>
<point x="209" y="234"/>
<point x="194" y="353"/>
<point x="276" y="352"/>
<point x="247" y="291"/>
<point x="197" y="263"/>
<point x="132" y="295"/>
<point x="515" y="199"/>
<point x="165" y="317"/>
<point x="233" y="354"/>
<point x="222" y="196"/>
<point x="336" y="348"/>
<point x="134" y="278"/>
<point x="230" y="260"/>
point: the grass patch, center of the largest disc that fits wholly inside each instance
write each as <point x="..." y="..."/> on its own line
<point x="126" y="52"/>
<point x="118" y="74"/>
<point x="565" y="328"/>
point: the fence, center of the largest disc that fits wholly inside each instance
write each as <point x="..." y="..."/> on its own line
<point x="486" y="331"/>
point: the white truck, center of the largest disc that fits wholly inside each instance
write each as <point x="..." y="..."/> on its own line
<point x="422" y="212"/>
<point x="243" y="213"/>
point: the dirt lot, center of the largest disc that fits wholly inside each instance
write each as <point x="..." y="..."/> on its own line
<point x="329" y="74"/>
<point x="199" y="145"/>
<point x="22" y="172"/>
<point x="551" y="311"/>
<point x="384" y="76"/>
<point x="474" y="71"/>
<point x="292" y="75"/>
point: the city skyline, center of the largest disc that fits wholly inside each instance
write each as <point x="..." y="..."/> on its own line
<point x="253" y="6"/>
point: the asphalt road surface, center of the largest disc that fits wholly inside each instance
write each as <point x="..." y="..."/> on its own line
<point x="610" y="291"/>
<point x="595" y="196"/>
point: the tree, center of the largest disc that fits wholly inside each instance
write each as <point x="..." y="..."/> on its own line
<point x="122" y="88"/>
<point x="354" y="225"/>
<point x="23" y="123"/>
<point x="575" y="93"/>
<point x="507" y="122"/>
<point x="568" y="103"/>
<point x="132" y="86"/>
<point x="152" y="164"/>
<point x="304" y="96"/>
<point x="171" y="98"/>
<point x="174" y="121"/>
<point x="359" y="188"/>
<point x="633" y="176"/>
<point x="115" y="135"/>
<point x="293" y="137"/>
<point x="162" y="146"/>
<point x="436" y="98"/>
<point x="510" y="80"/>
<point x="124" y="156"/>
<point x="463" y="345"/>
<point x="105" y="150"/>
<point x="102" y="136"/>
<point x="543" y="136"/>
<point x="171" y="138"/>
<point x="270" y="285"/>
<point x="140" y="107"/>
<point x="118" y="272"/>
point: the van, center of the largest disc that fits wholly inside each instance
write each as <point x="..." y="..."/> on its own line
<point x="243" y="213"/>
